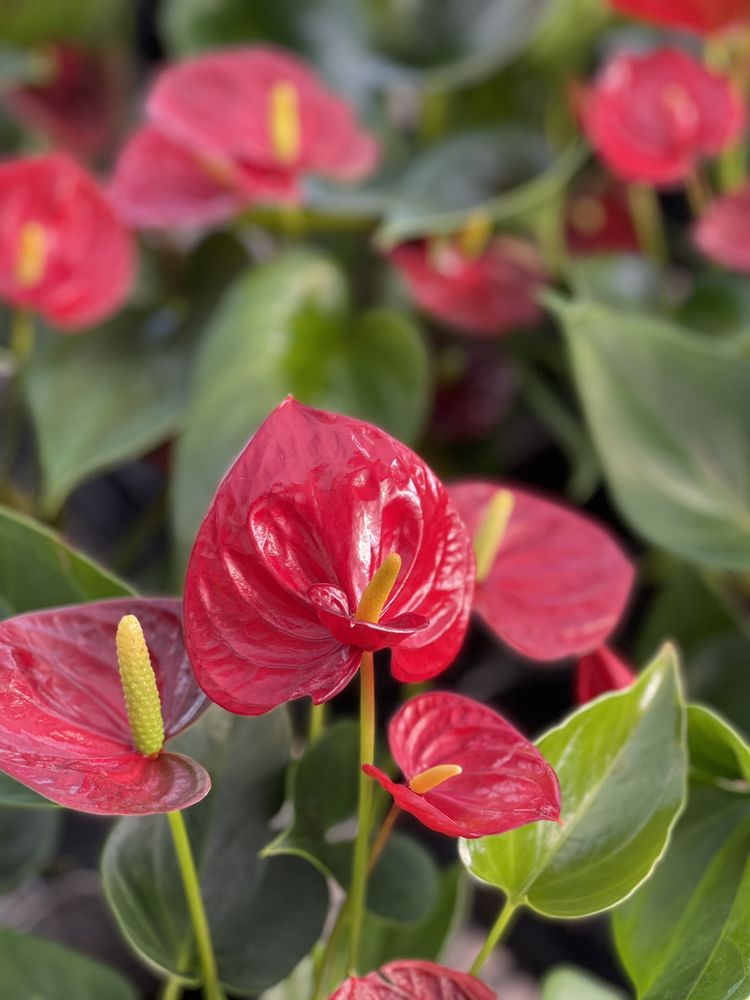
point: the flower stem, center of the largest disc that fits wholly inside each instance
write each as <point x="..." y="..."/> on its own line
<point x="172" y="990"/>
<point x="356" y="901"/>
<point x="317" y="722"/>
<point x="382" y="838"/>
<point x="698" y="193"/>
<point x="22" y="335"/>
<point x="646" y="213"/>
<point x="211" y="986"/>
<point x="496" y="932"/>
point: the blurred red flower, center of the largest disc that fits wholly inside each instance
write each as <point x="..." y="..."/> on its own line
<point x="723" y="231"/>
<point x="488" y="294"/>
<point x="558" y="583"/>
<point x="702" y="16"/>
<point x="598" y="221"/>
<point x="415" y="980"/>
<point x="600" y="672"/>
<point x="64" y="729"/>
<point x="652" y="118"/>
<point x="501" y="781"/>
<point x="307" y="515"/>
<point x="64" y="252"/>
<point x="231" y="128"/>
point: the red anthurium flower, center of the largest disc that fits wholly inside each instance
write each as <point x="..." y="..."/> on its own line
<point x="550" y="582"/>
<point x="702" y="16"/>
<point x="722" y="232"/>
<point x="469" y="773"/>
<point x="652" y="118"/>
<point x="63" y="253"/>
<point x="600" y="672"/>
<point x="598" y="221"/>
<point x="410" y="980"/>
<point x="487" y="294"/>
<point x="64" y="728"/>
<point x="315" y="507"/>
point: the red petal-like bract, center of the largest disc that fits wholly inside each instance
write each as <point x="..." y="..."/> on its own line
<point x="411" y="980"/>
<point x="505" y="781"/>
<point x="485" y="295"/>
<point x="64" y="730"/>
<point x="599" y="221"/>
<point x="301" y="523"/>
<point x="723" y="231"/>
<point x="84" y="255"/>
<point x="600" y="672"/>
<point x="219" y="105"/>
<point x="702" y="16"/>
<point x="559" y="583"/>
<point x="652" y="118"/>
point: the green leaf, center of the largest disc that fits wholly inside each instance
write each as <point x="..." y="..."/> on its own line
<point x="717" y="752"/>
<point x="283" y="328"/>
<point x="621" y="764"/>
<point x="38" y="570"/>
<point x="265" y="914"/>
<point x="719" y="304"/>
<point x="53" y="20"/>
<point x="568" y="983"/>
<point x="670" y="416"/>
<point x="34" y="969"/>
<point x="28" y="842"/>
<point x="622" y="281"/>
<point x="717" y="675"/>
<point x="294" y="987"/>
<point x="686" y="932"/>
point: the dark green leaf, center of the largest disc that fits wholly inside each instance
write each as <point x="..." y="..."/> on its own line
<point x="718" y="673"/>
<point x="265" y="914"/>
<point x="621" y="764"/>
<point x="34" y="969"/>
<point x="28" y="841"/>
<point x="52" y="20"/>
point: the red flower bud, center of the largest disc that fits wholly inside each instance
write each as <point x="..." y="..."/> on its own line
<point x="310" y="511"/>
<point x="723" y="231"/>
<point x="652" y="118"/>
<point x="415" y="980"/>
<point x="600" y="672"/>
<point x="64" y="253"/>
<point x="501" y="781"/>
<point x="702" y="16"/>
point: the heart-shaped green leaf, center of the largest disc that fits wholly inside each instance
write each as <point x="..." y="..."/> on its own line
<point x="621" y="763"/>
<point x="265" y="914"/>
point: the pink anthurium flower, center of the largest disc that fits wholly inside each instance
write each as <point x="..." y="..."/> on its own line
<point x="702" y="16"/>
<point x="414" y="980"/>
<point x="64" y="253"/>
<point x="468" y="772"/>
<point x="599" y="672"/>
<point x="64" y="726"/>
<point x="314" y="508"/>
<point x="653" y="118"/>
<point x="551" y="583"/>
<point x="722" y="232"/>
<point x="485" y="294"/>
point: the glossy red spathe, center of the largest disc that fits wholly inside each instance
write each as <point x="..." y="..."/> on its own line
<point x="558" y="584"/>
<point x="702" y="16"/>
<point x="505" y="782"/>
<point x="301" y="523"/>
<point x="414" y="980"/>
<point x="599" y="672"/>
<point x="486" y="295"/>
<point x="723" y="232"/>
<point x="653" y="118"/>
<point x="64" y="253"/>
<point x="64" y="729"/>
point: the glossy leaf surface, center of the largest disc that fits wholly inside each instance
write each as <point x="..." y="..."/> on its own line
<point x="569" y="983"/>
<point x="302" y="522"/>
<point x="28" y="842"/>
<point x="669" y="414"/>
<point x="418" y="980"/>
<point x="621" y="764"/>
<point x="265" y="915"/>
<point x="72" y="742"/>
<point x="559" y="582"/>
<point x="717" y="751"/>
<point x="504" y="782"/>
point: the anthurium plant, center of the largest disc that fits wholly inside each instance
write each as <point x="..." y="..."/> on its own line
<point x="374" y="500"/>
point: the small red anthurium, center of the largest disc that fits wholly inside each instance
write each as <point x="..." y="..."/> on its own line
<point x="551" y="582"/>
<point x="469" y="773"/>
<point x="653" y="118"/>
<point x="600" y="672"/>
<point x="327" y="538"/>
<point x="64" y="253"/>
<point x="723" y="232"/>
<point x="702" y="16"/>
<point x="414" y="980"/>
<point x="82" y="733"/>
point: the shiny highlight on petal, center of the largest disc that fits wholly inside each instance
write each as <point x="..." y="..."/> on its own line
<point x="139" y="688"/>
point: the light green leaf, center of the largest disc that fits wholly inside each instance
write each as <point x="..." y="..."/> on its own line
<point x="28" y="842"/>
<point x="568" y="983"/>
<point x="621" y="764"/>
<point x="670" y="416"/>
<point x="717" y="751"/>
<point x="686" y="932"/>
<point x="265" y="914"/>
<point x="53" y="20"/>
<point x="34" y="969"/>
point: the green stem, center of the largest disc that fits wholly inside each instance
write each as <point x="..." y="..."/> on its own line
<point x="22" y="335"/>
<point x="646" y="213"/>
<point x="317" y="722"/>
<point x="496" y="932"/>
<point x="358" y="885"/>
<point x="172" y="990"/>
<point x="211" y="986"/>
